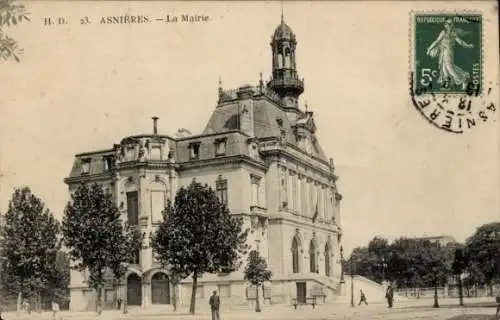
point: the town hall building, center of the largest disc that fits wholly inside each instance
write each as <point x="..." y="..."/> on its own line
<point x="261" y="154"/>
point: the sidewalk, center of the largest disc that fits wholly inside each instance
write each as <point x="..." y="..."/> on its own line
<point x="338" y="310"/>
<point x="268" y="313"/>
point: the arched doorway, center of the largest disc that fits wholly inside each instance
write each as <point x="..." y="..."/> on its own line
<point x="327" y="260"/>
<point x="160" y="289"/>
<point x="312" y="257"/>
<point x="134" y="290"/>
<point x="295" y="255"/>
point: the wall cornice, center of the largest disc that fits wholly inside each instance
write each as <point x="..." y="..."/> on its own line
<point x="238" y="159"/>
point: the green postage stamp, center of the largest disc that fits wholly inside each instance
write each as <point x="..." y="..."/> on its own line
<point x="447" y="69"/>
<point x="448" y="52"/>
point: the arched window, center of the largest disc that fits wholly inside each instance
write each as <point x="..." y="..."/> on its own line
<point x="160" y="289"/>
<point x="327" y="260"/>
<point x="312" y="257"/>
<point x="287" y="59"/>
<point x="295" y="255"/>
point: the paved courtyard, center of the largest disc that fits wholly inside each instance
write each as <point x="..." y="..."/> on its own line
<point x="412" y="310"/>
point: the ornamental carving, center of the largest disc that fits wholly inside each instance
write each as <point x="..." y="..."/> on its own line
<point x="143" y="153"/>
<point x="259" y="222"/>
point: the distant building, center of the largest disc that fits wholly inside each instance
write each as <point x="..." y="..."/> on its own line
<point x="261" y="154"/>
<point x="443" y="241"/>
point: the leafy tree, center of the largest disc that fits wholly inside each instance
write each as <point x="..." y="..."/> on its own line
<point x="483" y="249"/>
<point x="474" y="276"/>
<point x="370" y="261"/>
<point x="29" y="246"/>
<point x="358" y="263"/>
<point x="403" y="263"/>
<point x="11" y="13"/>
<point x="458" y="267"/>
<point x="437" y="266"/>
<point x="256" y="273"/>
<point x="198" y="235"/>
<point x="378" y="254"/>
<point x="97" y="239"/>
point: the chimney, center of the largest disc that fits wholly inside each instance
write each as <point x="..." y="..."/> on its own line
<point x="155" y="125"/>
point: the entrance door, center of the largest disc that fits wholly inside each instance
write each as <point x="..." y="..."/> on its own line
<point x="160" y="289"/>
<point x="134" y="292"/>
<point x="301" y="292"/>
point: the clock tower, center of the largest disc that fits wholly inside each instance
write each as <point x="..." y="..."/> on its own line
<point x="285" y="79"/>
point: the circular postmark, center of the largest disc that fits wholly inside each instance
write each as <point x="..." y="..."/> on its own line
<point x="447" y="83"/>
<point x="455" y="113"/>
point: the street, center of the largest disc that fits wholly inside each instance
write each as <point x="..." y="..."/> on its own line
<point x="411" y="310"/>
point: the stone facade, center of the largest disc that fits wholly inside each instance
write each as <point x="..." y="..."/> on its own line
<point x="261" y="154"/>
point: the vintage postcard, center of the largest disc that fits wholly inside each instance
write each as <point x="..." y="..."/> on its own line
<point x="249" y="160"/>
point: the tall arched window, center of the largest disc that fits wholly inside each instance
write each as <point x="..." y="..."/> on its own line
<point x="295" y="255"/>
<point x="327" y="260"/>
<point x="287" y="59"/>
<point x="312" y="257"/>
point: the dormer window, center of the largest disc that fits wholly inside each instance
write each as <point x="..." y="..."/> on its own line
<point x="86" y="166"/>
<point x="108" y="163"/>
<point x="220" y="147"/>
<point x="194" y="150"/>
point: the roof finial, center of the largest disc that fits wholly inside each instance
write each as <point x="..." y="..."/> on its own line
<point x="282" y="18"/>
<point x="220" y="86"/>
<point x="155" y="125"/>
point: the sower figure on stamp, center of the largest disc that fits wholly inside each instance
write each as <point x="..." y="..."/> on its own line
<point x="443" y="49"/>
<point x="214" y="305"/>
<point x="389" y="295"/>
<point x="362" y="298"/>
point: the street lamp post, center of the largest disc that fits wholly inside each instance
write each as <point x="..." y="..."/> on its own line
<point x="383" y="265"/>
<point x="341" y="264"/>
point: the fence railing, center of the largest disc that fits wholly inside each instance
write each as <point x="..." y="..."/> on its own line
<point x="448" y="292"/>
<point x="232" y="94"/>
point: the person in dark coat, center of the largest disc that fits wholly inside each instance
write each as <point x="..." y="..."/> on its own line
<point x="498" y="307"/>
<point x="389" y="295"/>
<point x="362" y="298"/>
<point x="214" y="305"/>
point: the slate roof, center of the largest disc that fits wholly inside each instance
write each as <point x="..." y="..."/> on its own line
<point x="265" y="116"/>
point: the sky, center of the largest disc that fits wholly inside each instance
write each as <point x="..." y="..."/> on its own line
<point x="82" y="87"/>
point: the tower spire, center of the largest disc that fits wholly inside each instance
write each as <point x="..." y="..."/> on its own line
<point x="282" y="17"/>
<point x="285" y="79"/>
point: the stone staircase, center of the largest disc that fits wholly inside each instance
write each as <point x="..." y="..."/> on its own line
<point x="374" y="292"/>
<point x="328" y="286"/>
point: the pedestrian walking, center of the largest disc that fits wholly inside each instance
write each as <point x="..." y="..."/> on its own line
<point x="214" y="305"/>
<point x="389" y="295"/>
<point x="55" y="310"/>
<point x="498" y="307"/>
<point x="362" y="298"/>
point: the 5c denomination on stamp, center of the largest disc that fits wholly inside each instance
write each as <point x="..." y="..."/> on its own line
<point x="447" y="81"/>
